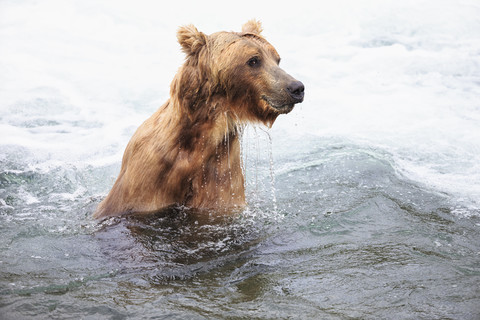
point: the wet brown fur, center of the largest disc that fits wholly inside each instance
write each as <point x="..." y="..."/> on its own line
<point x="188" y="151"/>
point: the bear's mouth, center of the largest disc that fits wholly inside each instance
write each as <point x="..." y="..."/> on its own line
<point x="280" y="108"/>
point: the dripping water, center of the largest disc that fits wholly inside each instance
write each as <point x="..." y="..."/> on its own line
<point x="272" y="170"/>
<point x="257" y="161"/>
<point x="257" y="156"/>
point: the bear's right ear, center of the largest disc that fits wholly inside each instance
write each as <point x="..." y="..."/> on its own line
<point x="252" y="26"/>
<point x="191" y="39"/>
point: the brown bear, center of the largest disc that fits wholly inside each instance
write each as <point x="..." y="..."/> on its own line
<point x="188" y="152"/>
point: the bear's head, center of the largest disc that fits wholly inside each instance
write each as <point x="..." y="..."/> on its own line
<point x="238" y="71"/>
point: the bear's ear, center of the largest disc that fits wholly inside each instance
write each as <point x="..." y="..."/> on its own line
<point x="191" y="39"/>
<point x="252" y="26"/>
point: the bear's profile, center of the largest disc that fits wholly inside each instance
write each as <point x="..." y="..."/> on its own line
<point x="188" y="151"/>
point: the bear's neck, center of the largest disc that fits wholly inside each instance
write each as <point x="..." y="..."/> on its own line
<point x="210" y="143"/>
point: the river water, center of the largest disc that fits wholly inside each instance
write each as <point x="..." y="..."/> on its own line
<point x="363" y="202"/>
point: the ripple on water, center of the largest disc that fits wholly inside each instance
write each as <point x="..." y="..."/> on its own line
<point x="349" y="237"/>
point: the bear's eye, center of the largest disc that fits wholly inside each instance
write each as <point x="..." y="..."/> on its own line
<point x="254" y="62"/>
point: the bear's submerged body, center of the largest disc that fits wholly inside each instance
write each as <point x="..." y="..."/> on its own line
<point x="188" y="151"/>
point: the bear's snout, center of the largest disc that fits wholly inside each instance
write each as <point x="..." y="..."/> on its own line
<point x="296" y="89"/>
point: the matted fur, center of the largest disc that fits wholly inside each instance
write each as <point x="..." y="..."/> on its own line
<point x="188" y="151"/>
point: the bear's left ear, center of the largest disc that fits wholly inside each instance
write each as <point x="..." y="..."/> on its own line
<point x="191" y="39"/>
<point x="252" y="26"/>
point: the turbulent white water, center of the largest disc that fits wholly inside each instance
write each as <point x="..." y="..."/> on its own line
<point x="78" y="77"/>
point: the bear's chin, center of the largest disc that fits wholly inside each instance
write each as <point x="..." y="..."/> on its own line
<point x="281" y="109"/>
<point x="285" y="108"/>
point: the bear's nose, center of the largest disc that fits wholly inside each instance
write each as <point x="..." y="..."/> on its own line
<point x="296" y="90"/>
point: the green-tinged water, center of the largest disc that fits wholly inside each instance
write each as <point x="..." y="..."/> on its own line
<point x="346" y="236"/>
